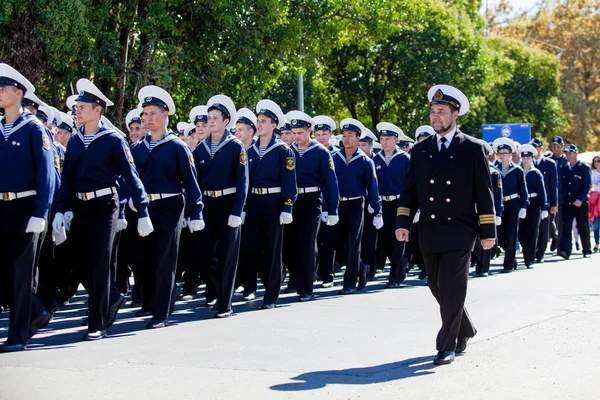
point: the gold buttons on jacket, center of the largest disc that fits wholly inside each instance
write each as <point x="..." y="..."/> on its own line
<point x="432" y="181"/>
<point x="432" y="216"/>
<point x="431" y="199"/>
<point x="448" y="182"/>
<point x="447" y="200"/>
<point x="449" y="219"/>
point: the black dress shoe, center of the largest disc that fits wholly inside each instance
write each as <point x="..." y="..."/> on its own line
<point x="563" y="254"/>
<point x="93" y="335"/>
<point x="113" y="310"/>
<point x="444" y="358"/>
<point x="392" y="285"/>
<point x="210" y="302"/>
<point x="156" y="323"/>
<point x="223" y="314"/>
<point x="539" y="260"/>
<point x="362" y="276"/>
<point x="482" y="274"/>
<point x="461" y="344"/>
<point x="587" y="255"/>
<point x="40" y="322"/>
<point x="11" y="348"/>
<point x="505" y="270"/>
<point x="306" y="297"/>
<point x="267" y="306"/>
<point x="529" y="266"/>
<point x="142" y="312"/>
<point x="346" y="291"/>
<point x="290" y="289"/>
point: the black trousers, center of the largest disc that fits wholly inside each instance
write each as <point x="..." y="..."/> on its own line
<point x="159" y="254"/>
<point x="580" y="214"/>
<point x="18" y="251"/>
<point x="134" y="256"/>
<point x="262" y="239"/>
<point x="391" y="247"/>
<point x="326" y="252"/>
<point x="447" y="279"/>
<point x="543" y="237"/>
<point x="483" y="258"/>
<point x="302" y="234"/>
<point x="93" y="233"/>
<point x="186" y="254"/>
<point x="368" y="243"/>
<point x="507" y="231"/>
<point x="123" y="248"/>
<point x="219" y="239"/>
<point x="45" y="280"/>
<point x="348" y="237"/>
<point x="528" y="233"/>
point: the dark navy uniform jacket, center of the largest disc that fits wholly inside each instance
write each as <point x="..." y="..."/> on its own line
<point x="575" y="183"/>
<point x="169" y="168"/>
<point x="453" y="191"/>
<point x="276" y="168"/>
<point x="226" y="169"/>
<point x="391" y="177"/>
<point x="560" y="162"/>
<point x="98" y="167"/>
<point x="59" y="159"/>
<point x="547" y="167"/>
<point x="497" y="185"/>
<point x="357" y="178"/>
<point x="27" y="161"/>
<point x="315" y="168"/>
<point x="535" y="184"/>
<point x="513" y="181"/>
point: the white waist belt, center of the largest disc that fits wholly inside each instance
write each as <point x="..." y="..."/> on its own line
<point x="266" y="190"/>
<point x="219" y="193"/>
<point x="96" y="193"/>
<point x="159" y="196"/>
<point x="534" y="194"/>
<point x="390" y="198"/>
<point x="350" y="198"/>
<point x="312" y="189"/>
<point x="9" y="196"/>
<point x="512" y="196"/>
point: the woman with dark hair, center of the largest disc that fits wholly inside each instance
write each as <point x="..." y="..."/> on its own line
<point x="594" y="212"/>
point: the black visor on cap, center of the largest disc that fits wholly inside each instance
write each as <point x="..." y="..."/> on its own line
<point x="154" y="101"/>
<point x="421" y="134"/>
<point x="246" y="121"/>
<point x="222" y="108"/>
<point x="66" y="127"/>
<point x="366" y="140"/>
<point x="42" y="115"/>
<point x="403" y="143"/>
<point x="269" y="114"/>
<point x="29" y="102"/>
<point x="200" y="118"/>
<point x="298" y="123"/>
<point x="322" y="127"/>
<point x="527" y="154"/>
<point x="557" y="139"/>
<point x="351" y="127"/>
<point x="135" y="120"/>
<point x="441" y="98"/>
<point x="6" y="81"/>
<point x="505" y="147"/>
<point x="277" y="131"/>
<point x="388" y="133"/>
<point x="87" y="97"/>
<point x="286" y="127"/>
<point x="535" y="142"/>
<point x="571" y="148"/>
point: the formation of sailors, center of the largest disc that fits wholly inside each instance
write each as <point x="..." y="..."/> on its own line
<point x="233" y="195"/>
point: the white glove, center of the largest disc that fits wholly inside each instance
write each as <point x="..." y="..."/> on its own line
<point x="243" y="216"/>
<point x="544" y="214"/>
<point x="196" y="225"/>
<point x="324" y="216"/>
<point x="59" y="236"/>
<point x="332" y="220"/>
<point x="58" y="222"/>
<point x="522" y="213"/>
<point x="68" y="218"/>
<point x="121" y="224"/>
<point x="370" y="209"/>
<point x="130" y="204"/>
<point x="185" y="223"/>
<point x="285" y="218"/>
<point x="35" y="225"/>
<point x="234" y="221"/>
<point x="377" y="222"/>
<point x="498" y="221"/>
<point x="145" y="226"/>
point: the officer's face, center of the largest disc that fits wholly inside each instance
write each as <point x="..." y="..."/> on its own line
<point x="301" y="135"/>
<point x="155" y="118"/>
<point x="516" y="157"/>
<point x="63" y="136"/>
<point x="442" y="117"/>
<point x="557" y="149"/>
<point x="350" y="139"/>
<point x="287" y="137"/>
<point x="135" y="132"/>
<point x="87" y="112"/>
<point x="323" y="137"/>
<point x="244" y="132"/>
<point x="217" y="122"/>
<point x="539" y="152"/>
<point x="9" y="96"/>
<point x="367" y="147"/>
<point x="571" y="157"/>
<point x="388" y="142"/>
<point x="265" y="125"/>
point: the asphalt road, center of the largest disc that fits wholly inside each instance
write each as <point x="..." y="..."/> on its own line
<point x="539" y="338"/>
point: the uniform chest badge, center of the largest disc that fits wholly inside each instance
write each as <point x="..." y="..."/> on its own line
<point x="289" y="163"/>
<point x="45" y="142"/>
<point x="191" y="160"/>
<point x="331" y="164"/>
<point x="378" y="167"/>
<point x="129" y="156"/>
<point x="243" y="158"/>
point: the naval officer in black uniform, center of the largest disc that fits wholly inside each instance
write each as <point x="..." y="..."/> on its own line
<point x="449" y="181"/>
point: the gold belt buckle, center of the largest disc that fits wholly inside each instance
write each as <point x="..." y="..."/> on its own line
<point x="212" y="193"/>
<point x="263" y="191"/>
<point x="6" y="196"/>
<point x="85" y="196"/>
<point x="151" y="197"/>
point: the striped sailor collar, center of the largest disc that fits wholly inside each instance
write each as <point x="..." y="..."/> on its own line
<point x="357" y="154"/>
<point x="273" y="144"/>
<point x="397" y="152"/>
<point x="533" y="168"/>
<point x="511" y="167"/>
<point x="227" y="137"/>
<point x="169" y="135"/>
<point x="312" y="145"/>
<point x="21" y="121"/>
<point x="103" y="131"/>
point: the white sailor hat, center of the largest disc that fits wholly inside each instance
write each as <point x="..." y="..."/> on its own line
<point x="527" y="150"/>
<point x="517" y="145"/>
<point x="504" y="143"/>
<point x="246" y="116"/>
<point x="156" y="96"/>
<point x="56" y="113"/>
<point x="89" y="93"/>
<point x="334" y="141"/>
<point x="424" y="130"/>
<point x="110" y="125"/>
<point x="44" y="112"/>
<point x="299" y="119"/>
<point x="72" y="102"/>
<point x="387" y="129"/>
<point x="199" y="114"/>
<point x="188" y="129"/>
<point x="367" y="136"/>
<point x="181" y="127"/>
<point x="351" y="124"/>
<point x="133" y="117"/>
<point x="30" y="99"/>
<point x="66" y="122"/>
<point x="446" y="94"/>
<point x="403" y="139"/>
<point x="270" y="109"/>
<point x="11" y="77"/>
<point x="287" y="126"/>
<point x="486" y="146"/>
<point x="225" y="105"/>
<point x="377" y="146"/>
<point x="324" y="123"/>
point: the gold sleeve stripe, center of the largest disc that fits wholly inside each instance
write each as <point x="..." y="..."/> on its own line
<point x="404" y="211"/>
<point x="486" y="219"/>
